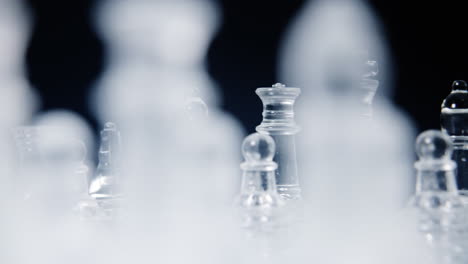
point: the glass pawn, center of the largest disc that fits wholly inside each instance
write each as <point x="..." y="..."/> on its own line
<point x="278" y="122"/>
<point x="438" y="206"/>
<point x="105" y="185"/>
<point x="258" y="200"/>
<point x="454" y="121"/>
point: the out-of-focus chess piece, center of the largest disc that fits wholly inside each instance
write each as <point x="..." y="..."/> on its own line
<point x="148" y="52"/>
<point x="180" y="150"/>
<point x="454" y="121"/>
<point x="53" y="183"/>
<point x="149" y="55"/>
<point x="354" y="149"/>
<point x="180" y="174"/>
<point x="322" y="54"/>
<point x="325" y="31"/>
<point x="278" y="122"/>
<point x="53" y="161"/>
<point x="17" y="100"/>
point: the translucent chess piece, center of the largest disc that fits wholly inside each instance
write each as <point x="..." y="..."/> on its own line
<point x="67" y="160"/>
<point x="369" y="85"/>
<point x="436" y="198"/>
<point x="454" y="121"/>
<point x="105" y="185"/>
<point x="259" y="199"/>
<point x="196" y="108"/>
<point x="18" y="101"/>
<point x="53" y="170"/>
<point x="278" y="122"/>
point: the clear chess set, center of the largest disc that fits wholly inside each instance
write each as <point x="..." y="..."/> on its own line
<point x="327" y="178"/>
<point x="270" y="205"/>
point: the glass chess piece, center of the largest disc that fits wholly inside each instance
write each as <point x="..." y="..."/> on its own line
<point x="369" y="85"/>
<point x="436" y="201"/>
<point x="278" y="122"/>
<point x="105" y="185"/>
<point x="259" y="200"/>
<point x="196" y="108"/>
<point x="264" y="213"/>
<point x="87" y="207"/>
<point x="454" y="121"/>
<point x="52" y="164"/>
<point x="28" y="158"/>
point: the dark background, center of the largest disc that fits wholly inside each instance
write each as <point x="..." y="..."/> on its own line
<point x="426" y="41"/>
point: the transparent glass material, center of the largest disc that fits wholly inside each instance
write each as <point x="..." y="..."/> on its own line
<point x="53" y="172"/>
<point x="439" y="208"/>
<point x="454" y="121"/>
<point x="105" y="186"/>
<point x="278" y="122"/>
<point x="369" y="85"/>
<point x="196" y="108"/>
<point x="259" y="202"/>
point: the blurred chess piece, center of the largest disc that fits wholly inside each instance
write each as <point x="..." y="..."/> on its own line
<point x="337" y="100"/>
<point x="181" y="152"/>
<point x="52" y="187"/>
<point x="180" y="174"/>
<point x="17" y="100"/>
<point x="327" y="35"/>
<point x="148" y="51"/>
<point x="151" y="74"/>
<point x="354" y="146"/>
<point x="439" y="208"/>
<point x="453" y="119"/>
<point x="17" y="104"/>
<point x="278" y="122"/>
<point x="53" y="164"/>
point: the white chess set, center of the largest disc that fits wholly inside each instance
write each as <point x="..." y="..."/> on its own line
<point x="329" y="176"/>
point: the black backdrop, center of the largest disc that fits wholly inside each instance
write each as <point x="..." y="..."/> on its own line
<point x="426" y="42"/>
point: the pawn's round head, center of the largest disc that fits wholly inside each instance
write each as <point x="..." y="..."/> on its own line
<point x="258" y="148"/>
<point x="459" y="85"/>
<point x="434" y="144"/>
